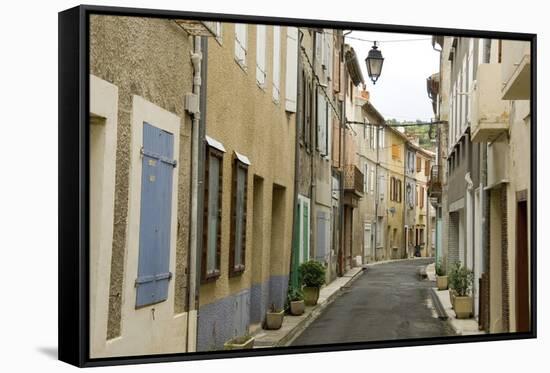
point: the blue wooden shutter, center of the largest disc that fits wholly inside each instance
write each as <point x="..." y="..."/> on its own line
<point x="155" y="218"/>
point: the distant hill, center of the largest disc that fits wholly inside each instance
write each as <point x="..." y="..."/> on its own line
<point x="422" y="132"/>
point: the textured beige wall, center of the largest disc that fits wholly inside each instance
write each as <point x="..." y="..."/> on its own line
<point x="147" y="57"/>
<point x="244" y="118"/>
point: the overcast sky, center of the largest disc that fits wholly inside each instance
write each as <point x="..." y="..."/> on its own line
<point x="400" y="92"/>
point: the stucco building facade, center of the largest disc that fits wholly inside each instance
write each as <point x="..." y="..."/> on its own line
<point x="484" y="93"/>
<point x="251" y="85"/>
<point x="137" y="305"/>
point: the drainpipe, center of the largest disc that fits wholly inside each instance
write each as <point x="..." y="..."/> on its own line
<point x="195" y="219"/>
<point x="299" y="118"/>
<point x="401" y="194"/>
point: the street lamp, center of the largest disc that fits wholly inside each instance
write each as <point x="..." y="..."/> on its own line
<point x="374" y="63"/>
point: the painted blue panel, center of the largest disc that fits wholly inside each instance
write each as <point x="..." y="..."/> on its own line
<point x="155" y="217"/>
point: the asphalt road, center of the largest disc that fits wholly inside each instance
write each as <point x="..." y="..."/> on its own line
<point x="387" y="302"/>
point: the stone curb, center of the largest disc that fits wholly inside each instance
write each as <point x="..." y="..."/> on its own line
<point x="441" y="313"/>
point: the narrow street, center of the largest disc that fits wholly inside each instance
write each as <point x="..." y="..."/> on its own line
<point x="387" y="302"/>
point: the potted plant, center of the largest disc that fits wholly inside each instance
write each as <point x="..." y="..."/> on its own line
<point x="452" y="282"/>
<point x="442" y="279"/>
<point x="274" y="318"/>
<point x="296" y="301"/>
<point x="245" y="342"/>
<point x="312" y="275"/>
<point x="463" y="302"/>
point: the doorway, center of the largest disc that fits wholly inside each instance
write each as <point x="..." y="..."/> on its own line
<point x="522" y="269"/>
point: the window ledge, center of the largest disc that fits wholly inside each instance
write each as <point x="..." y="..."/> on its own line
<point x="241" y="65"/>
<point x="212" y="277"/>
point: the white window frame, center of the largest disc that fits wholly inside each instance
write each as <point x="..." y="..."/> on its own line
<point x="276" y="64"/>
<point x="261" y="44"/>
<point x="241" y="46"/>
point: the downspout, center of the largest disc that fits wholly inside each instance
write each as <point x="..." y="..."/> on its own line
<point x="401" y="195"/>
<point x="344" y="162"/>
<point x="195" y="218"/>
<point x="299" y="118"/>
<point x="376" y="190"/>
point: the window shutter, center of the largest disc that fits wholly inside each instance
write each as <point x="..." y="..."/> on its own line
<point x="155" y="217"/>
<point x="371" y="180"/>
<point x="366" y="179"/>
<point x="305" y="231"/>
<point x="276" y="63"/>
<point x="336" y="72"/>
<point x="321" y="123"/>
<point x="291" y="68"/>
<point x="240" y="43"/>
<point x="213" y="188"/>
<point x="321" y="236"/>
<point x="238" y="218"/>
<point x="418" y="164"/>
<point x="395" y="151"/>
<point x="260" y="54"/>
<point x="428" y="166"/>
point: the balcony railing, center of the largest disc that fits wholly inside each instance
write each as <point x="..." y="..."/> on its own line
<point x="434" y="184"/>
<point x="353" y="180"/>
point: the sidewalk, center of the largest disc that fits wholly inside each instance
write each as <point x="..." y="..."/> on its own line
<point x="294" y="325"/>
<point x="460" y="326"/>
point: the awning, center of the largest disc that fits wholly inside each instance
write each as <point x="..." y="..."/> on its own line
<point x="243" y="158"/>
<point x="214" y="143"/>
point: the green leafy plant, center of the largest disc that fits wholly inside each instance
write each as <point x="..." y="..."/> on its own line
<point x="453" y="274"/>
<point x="464" y="279"/>
<point x="274" y="309"/>
<point x="295" y="294"/>
<point x="312" y="273"/>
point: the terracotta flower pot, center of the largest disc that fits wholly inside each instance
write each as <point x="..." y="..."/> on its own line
<point x="297" y="307"/>
<point x="463" y="307"/>
<point x="274" y="320"/>
<point x="239" y="343"/>
<point x="311" y="295"/>
<point x="442" y="282"/>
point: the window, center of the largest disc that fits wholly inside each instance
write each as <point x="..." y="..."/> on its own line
<point x="416" y="192"/>
<point x="336" y="78"/>
<point x="427" y="169"/>
<point x="395" y="152"/>
<point x="154" y="228"/>
<point x="276" y="63"/>
<point x="291" y="69"/>
<point x="392" y="187"/>
<point x="241" y="44"/>
<point x="218" y="32"/>
<point x="366" y="179"/>
<point x="260" y="55"/>
<point x="421" y="197"/>
<point x="238" y="215"/>
<point x="381" y="138"/>
<point x="371" y="137"/>
<point x="399" y="191"/>
<point x="418" y="164"/>
<point x="322" y="123"/>
<point x="212" y="212"/>
<point x="371" y="180"/>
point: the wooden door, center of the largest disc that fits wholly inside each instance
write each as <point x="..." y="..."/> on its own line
<point x="522" y="269"/>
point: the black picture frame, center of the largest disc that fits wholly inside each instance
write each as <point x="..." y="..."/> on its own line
<point x="74" y="232"/>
